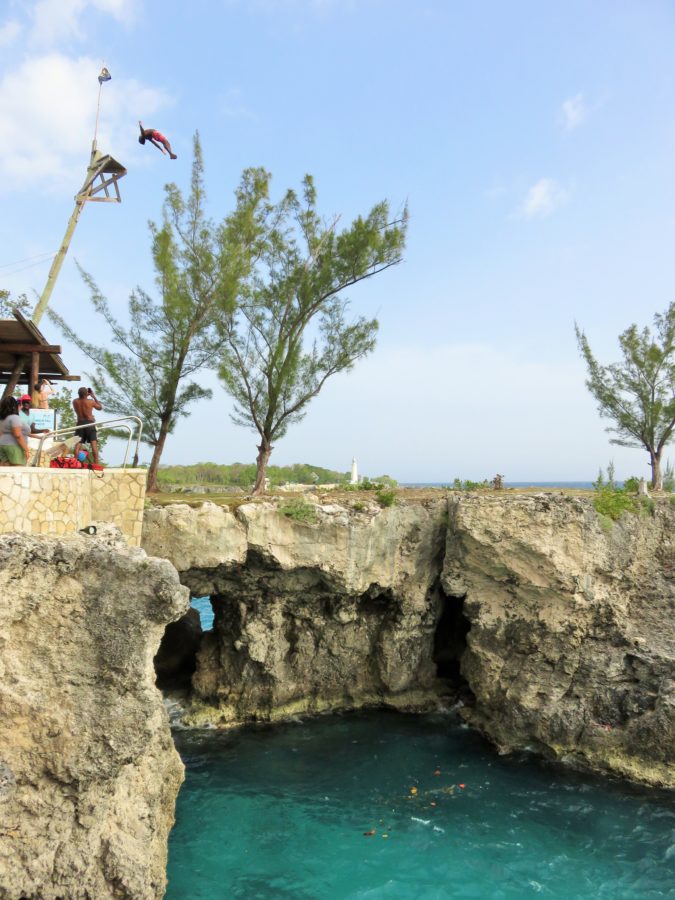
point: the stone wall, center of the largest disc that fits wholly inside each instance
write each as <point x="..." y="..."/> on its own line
<point x="61" y="501"/>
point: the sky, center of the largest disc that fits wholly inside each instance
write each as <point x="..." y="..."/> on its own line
<point x="534" y="144"/>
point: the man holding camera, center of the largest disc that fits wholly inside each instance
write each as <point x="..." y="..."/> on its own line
<point x="84" y="406"/>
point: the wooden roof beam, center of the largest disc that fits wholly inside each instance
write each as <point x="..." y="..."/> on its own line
<point x="29" y="348"/>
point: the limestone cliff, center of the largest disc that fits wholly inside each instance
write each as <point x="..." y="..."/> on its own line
<point x="561" y="622"/>
<point x="571" y="647"/>
<point x="88" y="771"/>
<point x="331" y="614"/>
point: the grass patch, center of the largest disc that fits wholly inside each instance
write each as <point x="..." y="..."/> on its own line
<point x="300" y="511"/>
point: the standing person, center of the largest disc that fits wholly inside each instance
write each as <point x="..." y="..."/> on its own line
<point x="156" y="138"/>
<point x="13" y="435"/>
<point x="45" y="390"/>
<point x="26" y="415"/>
<point x="84" y="406"/>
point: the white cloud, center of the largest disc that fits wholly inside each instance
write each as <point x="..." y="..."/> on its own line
<point x="301" y="5"/>
<point x="9" y="32"/>
<point x="543" y="198"/>
<point x="47" y="114"/>
<point x="573" y="112"/>
<point x="56" y="20"/>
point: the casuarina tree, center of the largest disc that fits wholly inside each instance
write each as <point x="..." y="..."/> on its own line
<point x="290" y="331"/>
<point x="638" y="393"/>
<point x="149" y="370"/>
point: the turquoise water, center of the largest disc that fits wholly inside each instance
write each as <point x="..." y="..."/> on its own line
<point x="301" y="811"/>
<point x="205" y="610"/>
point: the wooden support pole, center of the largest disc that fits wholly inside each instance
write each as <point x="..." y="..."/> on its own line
<point x="14" y="377"/>
<point x="34" y="372"/>
<point x="57" y="263"/>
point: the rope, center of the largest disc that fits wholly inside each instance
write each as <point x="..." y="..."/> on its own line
<point x="40" y="257"/>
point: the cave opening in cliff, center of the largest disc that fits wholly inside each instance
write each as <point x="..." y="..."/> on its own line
<point x="176" y="658"/>
<point x="450" y="639"/>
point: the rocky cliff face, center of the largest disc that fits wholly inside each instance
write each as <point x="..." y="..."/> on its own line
<point x="571" y="647"/>
<point x="331" y="614"/>
<point x="561" y="622"/>
<point x="88" y="771"/>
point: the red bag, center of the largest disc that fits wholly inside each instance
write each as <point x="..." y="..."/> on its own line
<point x="65" y="462"/>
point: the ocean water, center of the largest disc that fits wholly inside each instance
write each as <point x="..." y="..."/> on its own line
<point x="205" y="610"/>
<point x="382" y="805"/>
<point x="544" y="485"/>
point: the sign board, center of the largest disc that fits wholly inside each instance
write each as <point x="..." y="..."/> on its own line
<point x="44" y="418"/>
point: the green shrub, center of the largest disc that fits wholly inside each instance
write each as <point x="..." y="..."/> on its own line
<point x="613" y="502"/>
<point x="385" y="498"/>
<point x="299" y="510"/>
<point x="358" y="506"/>
<point x="468" y="485"/>
<point x="376" y="484"/>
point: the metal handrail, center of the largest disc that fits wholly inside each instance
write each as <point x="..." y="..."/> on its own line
<point x="107" y="425"/>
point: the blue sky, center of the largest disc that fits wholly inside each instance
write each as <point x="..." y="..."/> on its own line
<point x="534" y="144"/>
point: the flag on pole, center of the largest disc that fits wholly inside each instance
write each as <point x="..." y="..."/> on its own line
<point x="104" y="76"/>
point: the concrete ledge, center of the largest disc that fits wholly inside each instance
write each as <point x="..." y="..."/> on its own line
<point x="61" y="501"/>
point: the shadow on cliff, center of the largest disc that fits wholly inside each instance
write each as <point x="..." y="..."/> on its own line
<point x="176" y="659"/>
<point x="450" y="643"/>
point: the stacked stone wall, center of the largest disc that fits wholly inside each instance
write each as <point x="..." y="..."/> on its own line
<point x="61" y="501"/>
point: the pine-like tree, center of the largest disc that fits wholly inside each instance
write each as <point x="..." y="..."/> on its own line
<point x="200" y="266"/>
<point x="302" y="267"/>
<point x="638" y="393"/>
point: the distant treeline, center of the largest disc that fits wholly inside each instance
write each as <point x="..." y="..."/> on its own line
<point x="243" y="474"/>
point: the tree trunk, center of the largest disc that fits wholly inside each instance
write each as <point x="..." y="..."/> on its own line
<point x="657" y="477"/>
<point x="156" y="456"/>
<point x="263" y="457"/>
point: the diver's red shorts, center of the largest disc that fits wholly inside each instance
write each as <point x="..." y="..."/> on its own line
<point x="158" y="136"/>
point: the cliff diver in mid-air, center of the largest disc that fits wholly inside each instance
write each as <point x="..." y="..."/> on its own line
<point x="156" y="138"/>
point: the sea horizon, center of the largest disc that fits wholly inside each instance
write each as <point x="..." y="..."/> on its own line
<point x="587" y="485"/>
